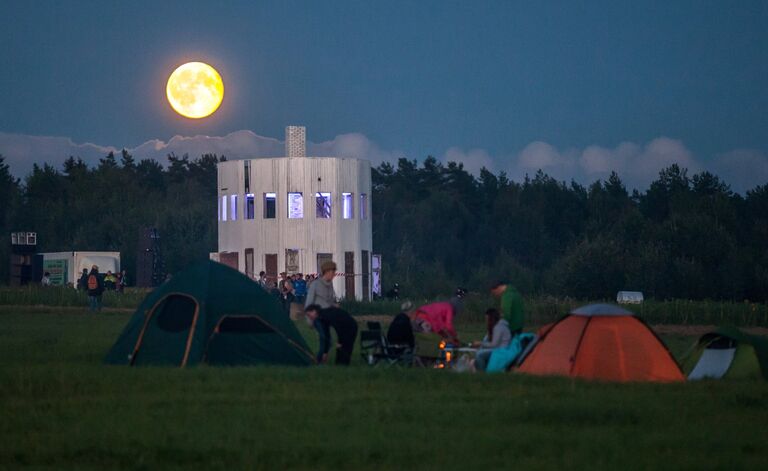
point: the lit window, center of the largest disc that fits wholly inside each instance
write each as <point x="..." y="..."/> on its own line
<point x="233" y="207"/>
<point x="295" y="206"/>
<point x="249" y="206"/>
<point x="270" y="205"/>
<point x="323" y="205"/>
<point x="224" y="208"/>
<point x="363" y="206"/>
<point x="347" y="206"/>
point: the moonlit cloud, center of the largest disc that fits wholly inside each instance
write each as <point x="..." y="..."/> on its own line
<point x="637" y="164"/>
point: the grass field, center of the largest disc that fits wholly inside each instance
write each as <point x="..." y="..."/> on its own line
<point x="539" y="310"/>
<point x="60" y="408"/>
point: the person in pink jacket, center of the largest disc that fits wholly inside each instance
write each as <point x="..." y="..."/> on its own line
<point x="440" y="318"/>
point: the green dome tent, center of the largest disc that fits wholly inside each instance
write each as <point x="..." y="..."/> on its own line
<point x="729" y="353"/>
<point x="210" y="314"/>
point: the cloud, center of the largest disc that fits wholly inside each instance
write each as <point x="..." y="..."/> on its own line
<point x="353" y="145"/>
<point x="21" y="151"/>
<point x="637" y="164"/>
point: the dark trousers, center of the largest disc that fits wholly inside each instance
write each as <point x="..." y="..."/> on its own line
<point x="346" y="337"/>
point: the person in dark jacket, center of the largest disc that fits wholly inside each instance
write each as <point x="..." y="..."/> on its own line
<point x="400" y="331"/>
<point x="95" y="287"/>
<point x="344" y="325"/>
<point x="82" y="283"/>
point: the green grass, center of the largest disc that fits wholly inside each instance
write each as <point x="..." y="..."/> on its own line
<point x="60" y="408"/>
<point x="540" y="310"/>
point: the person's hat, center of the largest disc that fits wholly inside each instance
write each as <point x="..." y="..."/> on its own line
<point x="328" y="266"/>
<point x="406" y="306"/>
<point x="94" y="267"/>
<point x="499" y="283"/>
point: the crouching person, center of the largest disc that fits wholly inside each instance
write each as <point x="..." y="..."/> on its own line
<point x="498" y="336"/>
<point x="344" y="325"/>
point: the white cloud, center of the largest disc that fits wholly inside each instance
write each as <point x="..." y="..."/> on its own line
<point x="637" y="164"/>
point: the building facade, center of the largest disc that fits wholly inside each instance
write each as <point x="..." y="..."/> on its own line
<point x="290" y="214"/>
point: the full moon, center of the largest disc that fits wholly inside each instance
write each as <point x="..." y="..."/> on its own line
<point x="195" y="90"/>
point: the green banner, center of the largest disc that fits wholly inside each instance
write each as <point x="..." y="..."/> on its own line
<point x="57" y="270"/>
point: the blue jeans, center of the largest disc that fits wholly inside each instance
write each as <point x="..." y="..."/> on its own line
<point x="481" y="358"/>
<point x="95" y="303"/>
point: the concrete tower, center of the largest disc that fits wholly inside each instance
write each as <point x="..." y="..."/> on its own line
<point x="290" y="214"/>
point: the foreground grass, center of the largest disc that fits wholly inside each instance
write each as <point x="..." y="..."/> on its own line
<point x="60" y="408"/>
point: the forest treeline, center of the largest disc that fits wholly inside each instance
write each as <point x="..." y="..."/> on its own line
<point x="436" y="226"/>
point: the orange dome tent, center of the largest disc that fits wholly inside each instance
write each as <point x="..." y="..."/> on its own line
<point x="603" y="342"/>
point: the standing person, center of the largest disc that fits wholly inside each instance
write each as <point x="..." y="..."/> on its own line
<point x="286" y="292"/>
<point x="110" y="281"/>
<point x="122" y="280"/>
<point x="300" y="288"/>
<point x="46" y="280"/>
<point x="344" y="325"/>
<point x="321" y="290"/>
<point x="263" y="280"/>
<point x="512" y="308"/>
<point x="95" y="287"/>
<point x="394" y="293"/>
<point x="497" y="336"/>
<point x="82" y="283"/>
<point x="457" y="300"/>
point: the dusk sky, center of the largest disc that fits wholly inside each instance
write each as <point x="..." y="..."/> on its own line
<point x="577" y="89"/>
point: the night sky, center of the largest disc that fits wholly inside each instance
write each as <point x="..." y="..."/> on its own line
<point x="575" y="88"/>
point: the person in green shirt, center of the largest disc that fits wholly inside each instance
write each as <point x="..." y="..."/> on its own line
<point x="511" y="305"/>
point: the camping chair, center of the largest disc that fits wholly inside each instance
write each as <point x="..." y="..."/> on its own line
<point x="375" y="348"/>
<point x="372" y="343"/>
<point x="427" y="352"/>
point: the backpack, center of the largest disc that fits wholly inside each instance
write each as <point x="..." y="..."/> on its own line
<point x="93" y="283"/>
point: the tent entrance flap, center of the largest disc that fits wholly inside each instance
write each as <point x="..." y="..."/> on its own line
<point x="166" y="336"/>
<point x="714" y="363"/>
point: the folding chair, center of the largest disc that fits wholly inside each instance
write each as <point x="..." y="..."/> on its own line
<point x="371" y="346"/>
<point x="375" y="348"/>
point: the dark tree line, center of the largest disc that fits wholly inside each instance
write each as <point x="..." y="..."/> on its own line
<point x="103" y="208"/>
<point x="685" y="237"/>
<point x="436" y="225"/>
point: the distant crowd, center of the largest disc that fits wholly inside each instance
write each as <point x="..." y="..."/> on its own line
<point x="288" y="289"/>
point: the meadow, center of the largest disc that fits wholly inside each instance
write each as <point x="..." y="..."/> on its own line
<point x="539" y="309"/>
<point x="61" y="408"/>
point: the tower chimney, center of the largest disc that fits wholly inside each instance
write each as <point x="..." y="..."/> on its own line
<point x="296" y="141"/>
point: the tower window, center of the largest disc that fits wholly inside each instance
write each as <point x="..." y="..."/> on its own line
<point x="323" y="205"/>
<point x="347" y="205"/>
<point x="249" y="206"/>
<point x="233" y="207"/>
<point x="270" y="205"/>
<point x="363" y="206"/>
<point x="295" y="205"/>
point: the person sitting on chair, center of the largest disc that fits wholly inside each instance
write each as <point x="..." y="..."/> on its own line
<point x="400" y="331"/>
<point x="344" y="325"/>
<point x="498" y="336"/>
